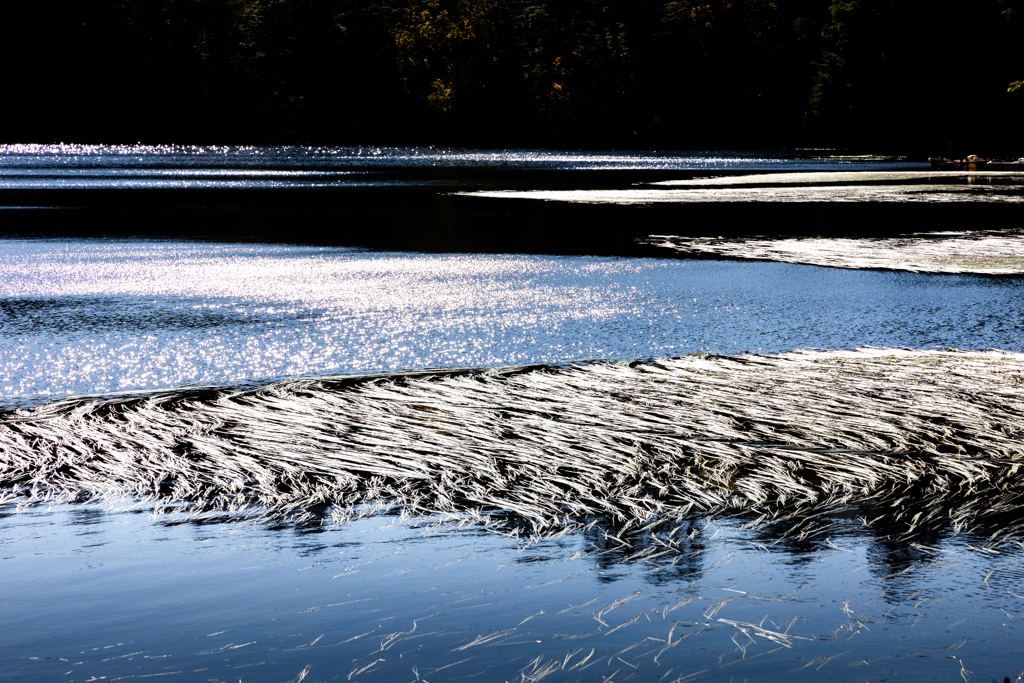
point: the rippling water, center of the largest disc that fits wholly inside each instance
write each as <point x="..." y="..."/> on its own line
<point x="99" y="316"/>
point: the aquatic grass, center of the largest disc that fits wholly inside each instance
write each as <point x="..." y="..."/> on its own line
<point x="917" y="440"/>
<point x="981" y="252"/>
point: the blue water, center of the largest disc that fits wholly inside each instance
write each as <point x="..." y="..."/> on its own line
<point x="91" y="594"/>
<point x="106" y="316"/>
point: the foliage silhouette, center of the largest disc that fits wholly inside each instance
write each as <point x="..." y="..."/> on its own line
<point x="645" y="73"/>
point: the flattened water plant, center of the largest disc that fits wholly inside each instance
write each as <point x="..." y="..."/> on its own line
<point x="980" y="252"/>
<point x="921" y="439"/>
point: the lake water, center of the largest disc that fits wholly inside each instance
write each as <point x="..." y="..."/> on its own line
<point x="90" y="593"/>
<point x="108" y="316"/>
<point x="140" y="166"/>
<point x="105" y="589"/>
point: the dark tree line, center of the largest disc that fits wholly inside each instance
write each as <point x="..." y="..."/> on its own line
<point x="892" y="74"/>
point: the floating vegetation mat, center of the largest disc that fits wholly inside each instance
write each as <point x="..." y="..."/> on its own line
<point x="985" y="252"/>
<point x="756" y="191"/>
<point x="921" y="439"/>
<point x="845" y="178"/>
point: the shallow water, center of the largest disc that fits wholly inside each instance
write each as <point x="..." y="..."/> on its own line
<point x="106" y="316"/>
<point x="91" y="594"/>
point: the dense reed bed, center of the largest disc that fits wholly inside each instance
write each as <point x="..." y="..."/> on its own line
<point x="920" y="439"/>
<point x="983" y="252"/>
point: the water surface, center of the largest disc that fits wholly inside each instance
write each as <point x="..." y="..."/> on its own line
<point x="92" y="594"/>
<point x="94" y="591"/>
<point x="140" y="166"/>
<point x="106" y="316"/>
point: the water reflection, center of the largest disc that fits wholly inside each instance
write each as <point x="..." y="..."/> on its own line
<point x="670" y="550"/>
<point x="87" y="518"/>
<point x="70" y="315"/>
<point x="428" y="597"/>
<point x="673" y="550"/>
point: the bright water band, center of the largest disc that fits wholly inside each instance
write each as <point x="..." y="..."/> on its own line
<point x="269" y="158"/>
<point x="108" y="316"/>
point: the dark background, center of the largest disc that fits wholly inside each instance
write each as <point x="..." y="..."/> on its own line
<point x="907" y="77"/>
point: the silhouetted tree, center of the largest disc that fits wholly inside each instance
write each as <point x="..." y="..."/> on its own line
<point x="681" y="73"/>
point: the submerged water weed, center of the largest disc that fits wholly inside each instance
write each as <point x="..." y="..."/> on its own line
<point x="918" y="440"/>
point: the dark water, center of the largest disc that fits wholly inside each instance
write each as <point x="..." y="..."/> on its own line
<point x="108" y="591"/>
<point x="483" y="201"/>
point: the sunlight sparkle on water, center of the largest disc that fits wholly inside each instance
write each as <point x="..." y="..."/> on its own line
<point x="89" y="317"/>
<point x="102" y="316"/>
